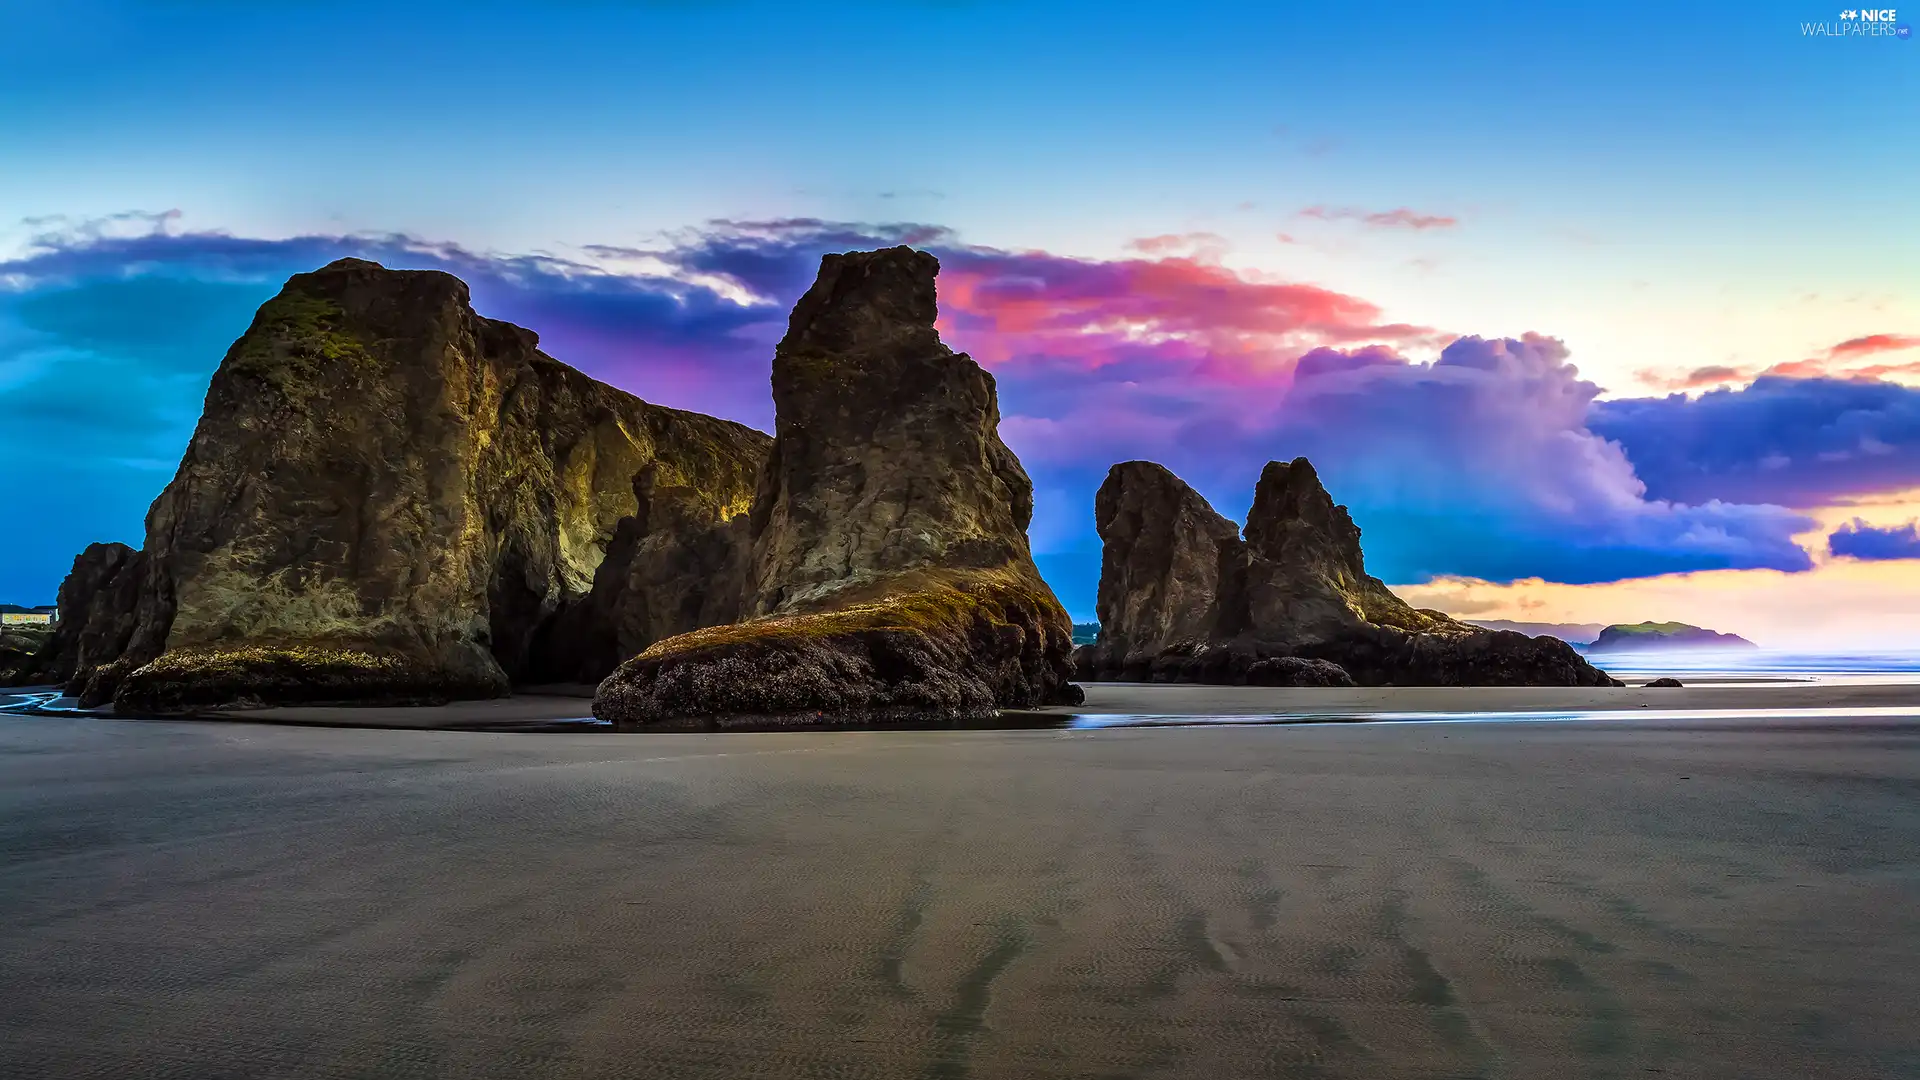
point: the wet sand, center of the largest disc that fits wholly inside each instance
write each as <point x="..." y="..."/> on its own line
<point x="1603" y="899"/>
<point x="1103" y="699"/>
<point x="1188" y="700"/>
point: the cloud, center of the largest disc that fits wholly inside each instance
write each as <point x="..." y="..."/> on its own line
<point x="1698" y="379"/>
<point x="1481" y="464"/>
<point x="1478" y="463"/>
<point x="1203" y="245"/>
<point x="1179" y="316"/>
<point x="1791" y="441"/>
<point x="1874" y="343"/>
<point x="1321" y="362"/>
<point x="1840" y="361"/>
<point x="1401" y="218"/>
<point x="1858" y="540"/>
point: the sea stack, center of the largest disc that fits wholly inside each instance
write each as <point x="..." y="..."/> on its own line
<point x="888" y="575"/>
<point x="1166" y="555"/>
<point x="1182" y="600"/>
<point x="388" y="499"/>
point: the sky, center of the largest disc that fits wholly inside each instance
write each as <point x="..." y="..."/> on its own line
<point x="1593" y="315"/>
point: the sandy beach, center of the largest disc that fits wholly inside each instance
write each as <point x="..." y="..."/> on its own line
<point x="550" y="705"/>
<point x="1579" y="899"/>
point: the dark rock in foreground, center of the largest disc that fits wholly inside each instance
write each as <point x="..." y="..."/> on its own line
<point x="1184" y="599"/>
<point x="390" y="499"/>
<point x="1667" y="683"/>
<point x="889" y="576"/>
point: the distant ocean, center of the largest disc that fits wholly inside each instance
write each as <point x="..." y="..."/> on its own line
<point x="1763" y="665"/>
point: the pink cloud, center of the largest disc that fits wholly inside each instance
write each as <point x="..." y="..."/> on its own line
<point x="1189" y="315"/>
<point x="1400" y="218"/>
<point x="1203" y="244"/>
<point x="1874" y="343"/>
<point x="1699" y="378"/>
<point x="1833" y="363"/>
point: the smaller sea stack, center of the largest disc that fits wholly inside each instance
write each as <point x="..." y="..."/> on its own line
<point x="1185" y="597"/>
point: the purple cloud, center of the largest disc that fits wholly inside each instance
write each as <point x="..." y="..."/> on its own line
<point x="1482" y="464"/>
<point x="1858" y="540"/>
<point x="1795" y="442"/>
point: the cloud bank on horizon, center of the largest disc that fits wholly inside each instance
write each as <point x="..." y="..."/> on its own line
<point x="1856" y="539"/>
<point x="1461" y="456"/>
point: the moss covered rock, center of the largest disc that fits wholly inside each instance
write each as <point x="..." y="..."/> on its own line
<point x="944" y="645"/>
<point x="194" y="679"/>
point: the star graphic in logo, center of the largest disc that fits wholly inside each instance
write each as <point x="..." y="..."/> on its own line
<point x="1850" y="14"/>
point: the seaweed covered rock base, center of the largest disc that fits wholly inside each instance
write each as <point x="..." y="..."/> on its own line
<point x="940" y="646"/>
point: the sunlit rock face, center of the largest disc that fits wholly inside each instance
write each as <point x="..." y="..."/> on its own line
<point x="389" y="498"/>
<point x="888" y="575"/>
<point x="1181" y="600"/>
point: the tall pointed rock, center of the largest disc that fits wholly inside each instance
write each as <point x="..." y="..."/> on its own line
<point x="889" y="575"/>
<point x="1306" y="579"/>
<point x="887" y="454"/>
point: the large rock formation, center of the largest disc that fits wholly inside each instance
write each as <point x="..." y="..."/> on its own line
<point x="888" y="575"/>
<point x="1183" y="599"/>
<point x="391" y="499"/>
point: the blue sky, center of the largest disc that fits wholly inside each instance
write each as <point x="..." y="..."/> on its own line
<point x="1664" y="189"/>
